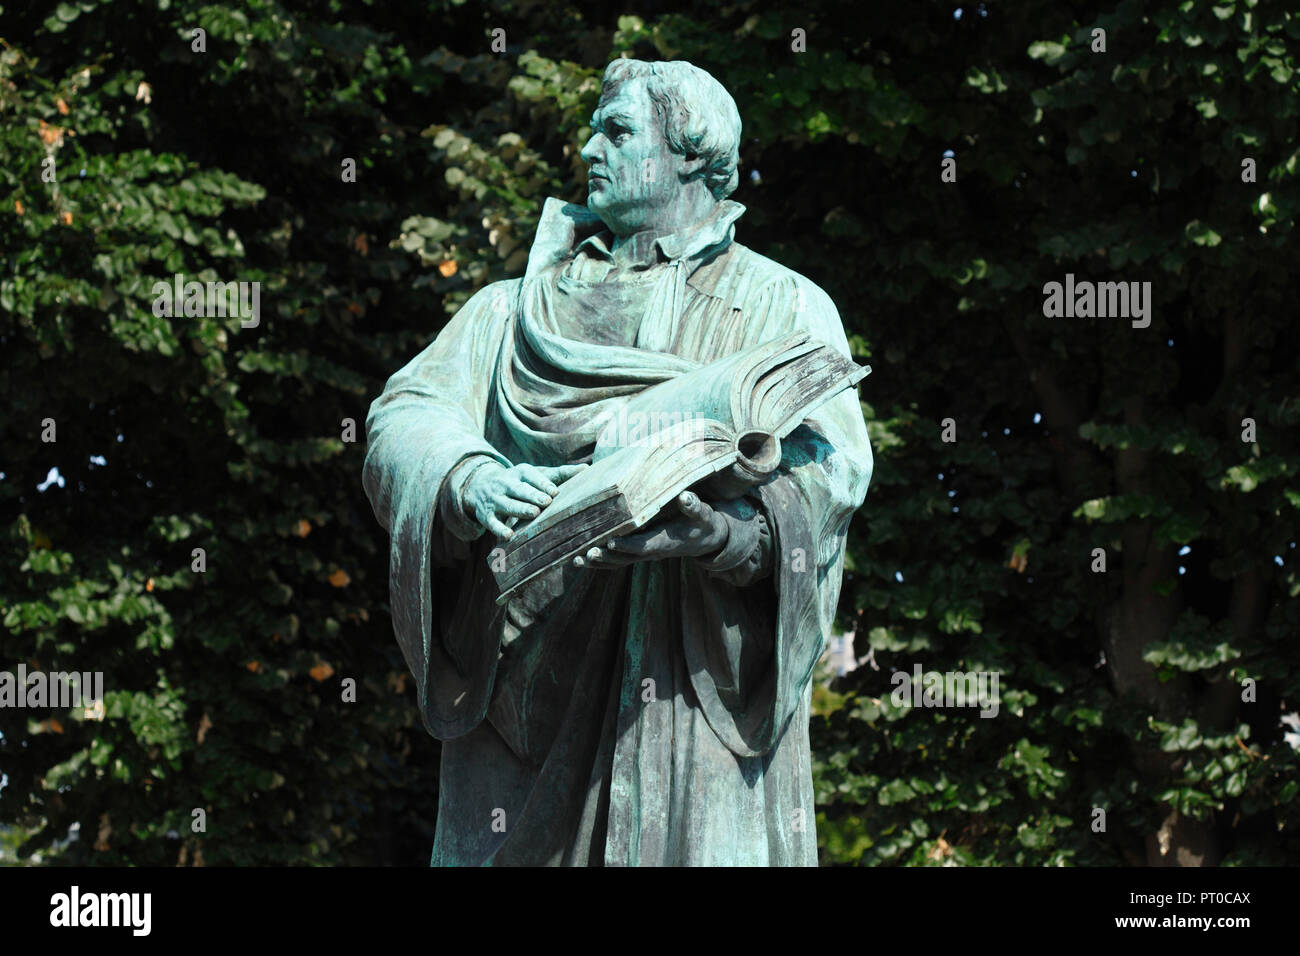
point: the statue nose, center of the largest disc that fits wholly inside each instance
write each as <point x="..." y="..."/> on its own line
<point x="589" y="151"/>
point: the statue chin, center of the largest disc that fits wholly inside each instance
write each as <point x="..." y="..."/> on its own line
<point x="619" y="227"/>
<point x="613" y="225"/>
<point x="598" y="203"/>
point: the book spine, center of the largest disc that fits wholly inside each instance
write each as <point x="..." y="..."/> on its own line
<point x="758" y="456"/>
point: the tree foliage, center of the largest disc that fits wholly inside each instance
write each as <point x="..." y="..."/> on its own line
<point x="1120" y="691"/>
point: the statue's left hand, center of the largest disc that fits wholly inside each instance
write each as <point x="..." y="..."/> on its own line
<point x="698" y="531"/>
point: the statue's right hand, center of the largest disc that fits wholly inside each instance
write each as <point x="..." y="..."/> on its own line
<point x="495" y="493"/>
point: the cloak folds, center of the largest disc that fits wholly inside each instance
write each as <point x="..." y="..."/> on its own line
<point x="651" y="715"/>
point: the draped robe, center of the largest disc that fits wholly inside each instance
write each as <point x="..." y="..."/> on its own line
<point x="655" y="714"/>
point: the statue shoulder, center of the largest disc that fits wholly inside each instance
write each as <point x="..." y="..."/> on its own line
<point x="494" y="299"/>
<point x="482" y="317"/>
<point x="764" y="278"/>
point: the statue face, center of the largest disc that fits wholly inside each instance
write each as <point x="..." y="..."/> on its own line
<point x="633" y="173"/>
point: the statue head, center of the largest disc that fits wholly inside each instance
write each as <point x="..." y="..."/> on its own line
<point x="664" y="148"/>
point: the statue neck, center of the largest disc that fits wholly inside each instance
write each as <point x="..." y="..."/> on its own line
<point x="635" y="246"/>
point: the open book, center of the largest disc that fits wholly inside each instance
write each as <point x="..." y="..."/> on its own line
<point x="720" y="425"/>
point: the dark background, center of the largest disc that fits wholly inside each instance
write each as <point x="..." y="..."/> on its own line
<point x="1121" y="690"/>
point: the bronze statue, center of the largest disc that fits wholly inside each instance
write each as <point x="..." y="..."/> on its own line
<point x="646" y="703"/>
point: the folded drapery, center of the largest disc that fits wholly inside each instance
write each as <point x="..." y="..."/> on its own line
<point x="655" y="714"/>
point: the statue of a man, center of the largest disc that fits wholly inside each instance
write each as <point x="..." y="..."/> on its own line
<point x="647" y="703"/>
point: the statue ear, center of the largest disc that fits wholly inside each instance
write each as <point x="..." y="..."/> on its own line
<point x="693" y="167"/>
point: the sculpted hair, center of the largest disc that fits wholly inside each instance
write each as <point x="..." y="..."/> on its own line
<point x="699" y="116"/>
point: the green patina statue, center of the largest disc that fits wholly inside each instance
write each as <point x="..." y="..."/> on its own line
<point x="647" y="702"/>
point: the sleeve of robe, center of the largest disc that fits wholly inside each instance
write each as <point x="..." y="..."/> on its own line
<point x="751" y="649"/>
<point x="429" y="419"/>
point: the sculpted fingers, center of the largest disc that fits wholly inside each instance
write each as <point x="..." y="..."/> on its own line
<point x="536" y="477"/>
<point x="516" y="494"/>
<point x="690" y="535"/>
<point x="488" y="519"/>
<point x="563" y="473"/>
<point x="707" y="524"/>
<point x="672" y="540"/>
<point x="602" y="559"/>
<point x="695" y="510"/>
<point x="493" y="508"/>
<point x="636" y="544"/>
<point x="522" y="490"/>
<point x="517" y="509"/>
